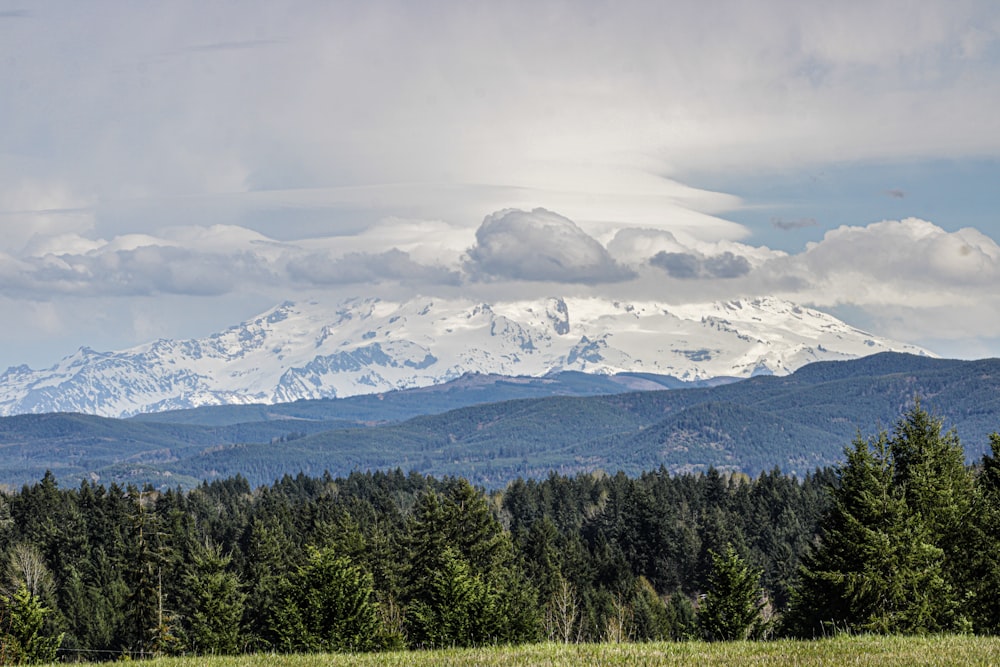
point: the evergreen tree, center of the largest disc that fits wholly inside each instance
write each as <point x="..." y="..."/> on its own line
<point x="650" y="614"/>
<point x="983" y="547"/>
<point x="457" y="547"/>
<point x="455" y="609"/>
<point x="879" y="565"/>
<point x="930" y="468"/>
<point x="24" y="641"/>
<point x="269" y="555"/>
<point x="131" y="572"/>
<point x="215" y="603"/>
<point x="330" y="606"/>
<point x="732" y="605"/>
<point x="683" y="621"/>
<point x="151" y="626"/>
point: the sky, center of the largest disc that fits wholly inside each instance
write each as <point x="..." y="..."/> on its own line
<point x="171" y="169"/>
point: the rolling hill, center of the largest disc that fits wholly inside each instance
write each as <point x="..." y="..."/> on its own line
<point x="796" y="422"/>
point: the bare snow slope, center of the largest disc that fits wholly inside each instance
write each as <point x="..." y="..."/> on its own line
<point x="360" y="346"/>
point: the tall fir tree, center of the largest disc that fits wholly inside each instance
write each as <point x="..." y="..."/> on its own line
<point x="215" y="603"/>
<point x="886" y="557"/>
<point x="732" y="606"/>
<point x="329" y="605"/>
<point x="983" y="548"/>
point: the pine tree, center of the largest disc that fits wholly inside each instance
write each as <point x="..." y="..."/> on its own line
<point x="732" y="605"/>
<point x="270" y="560"/>
<point x="24" y="641"/>
<point x="330" y="606"/>
<point x="930" y="468"/>
<point x="455" y="535"/>
<point x="983" y="548"/>
<point x="882" y="561"/>
<point x="215" y="603"/>
<point x="455" y="609"/>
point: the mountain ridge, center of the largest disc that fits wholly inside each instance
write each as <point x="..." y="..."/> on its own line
<point x="796" y="422"/>
<point x="364" y="346"/>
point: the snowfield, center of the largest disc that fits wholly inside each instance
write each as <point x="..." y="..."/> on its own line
<point x="313" y="350"/>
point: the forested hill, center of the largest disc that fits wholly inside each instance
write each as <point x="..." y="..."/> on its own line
<point x="901" y="539"/>
<point x="795" y="422"/>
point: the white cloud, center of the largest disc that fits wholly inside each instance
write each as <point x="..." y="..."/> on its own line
<point x="31" y="211"/>
<point x="257" y="148"/>
<point x="911" y="279"/>
<point x="540" y="245"/>
<point x="909" y="262"/>
<point x="587" y="105"/>
<point x="365" y="269"/>
<point x="636" y="246"/>
<point x="216" y="260"/>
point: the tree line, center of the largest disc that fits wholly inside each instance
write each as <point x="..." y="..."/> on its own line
<point x="903" y="537"/>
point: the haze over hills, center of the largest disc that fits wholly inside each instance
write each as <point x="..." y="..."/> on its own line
<point x="311" y="350"/>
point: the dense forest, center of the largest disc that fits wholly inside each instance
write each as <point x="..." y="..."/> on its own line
<point x="902" y="537"/>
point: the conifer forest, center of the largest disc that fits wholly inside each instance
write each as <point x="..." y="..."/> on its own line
<point x="902" y="538"/>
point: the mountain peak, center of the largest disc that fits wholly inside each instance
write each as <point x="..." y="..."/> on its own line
<point x="301" y="350"/>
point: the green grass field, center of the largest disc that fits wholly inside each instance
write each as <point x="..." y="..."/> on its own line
<point x="933" y="650"/>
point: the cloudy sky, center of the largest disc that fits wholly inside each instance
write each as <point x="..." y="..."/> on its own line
<point x="169" y="169"/>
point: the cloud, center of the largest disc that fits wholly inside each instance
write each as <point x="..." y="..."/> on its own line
<point x="540" y="245"/>
<point x="364" y="268"/>
<point x="208" y="261"/>
<point x="788" y="225"/>
<point x="587" y="108"/>
<point x="727" y="265"/>
<point x="32" y="210"/>
<point x="897" y="261"/>
<point x="637" y="247"/>
<point x="677" y="264"/>
<point x="364" y="143"/>
<point x="232" y="46"/>
<point x="140" y="271"/>
<point x="688" y="266"/>
<point x="909" y="279"/>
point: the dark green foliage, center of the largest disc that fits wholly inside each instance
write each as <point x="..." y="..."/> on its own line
<point x="887" y="560"/>
<point x="466" y="588"/>
<point x="454" y="608"/>
<point x="732" y="606"/>
<point x="907" y="543"/>
<point x="328" y="605"/>
<point x="150" y="625"/>
<point x="24" y="640"/>
<point x="651" y="617"/>
<point x="982" y="548"/>
<point x="269" y="555"/>
<point x="682" y="617"/>
<point x="216" y="603"/>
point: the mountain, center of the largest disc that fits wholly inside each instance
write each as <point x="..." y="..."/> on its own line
<point x="796" y="422"/>
<point x="402" y="404"/>
<point x="311" y="350"/>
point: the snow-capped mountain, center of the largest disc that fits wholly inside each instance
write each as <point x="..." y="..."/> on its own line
<point x="362" y="346"/>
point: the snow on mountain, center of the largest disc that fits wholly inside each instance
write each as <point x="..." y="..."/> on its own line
<point x="311" y="350"/>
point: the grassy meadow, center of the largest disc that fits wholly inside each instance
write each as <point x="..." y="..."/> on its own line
<point x="861" y="651"/>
